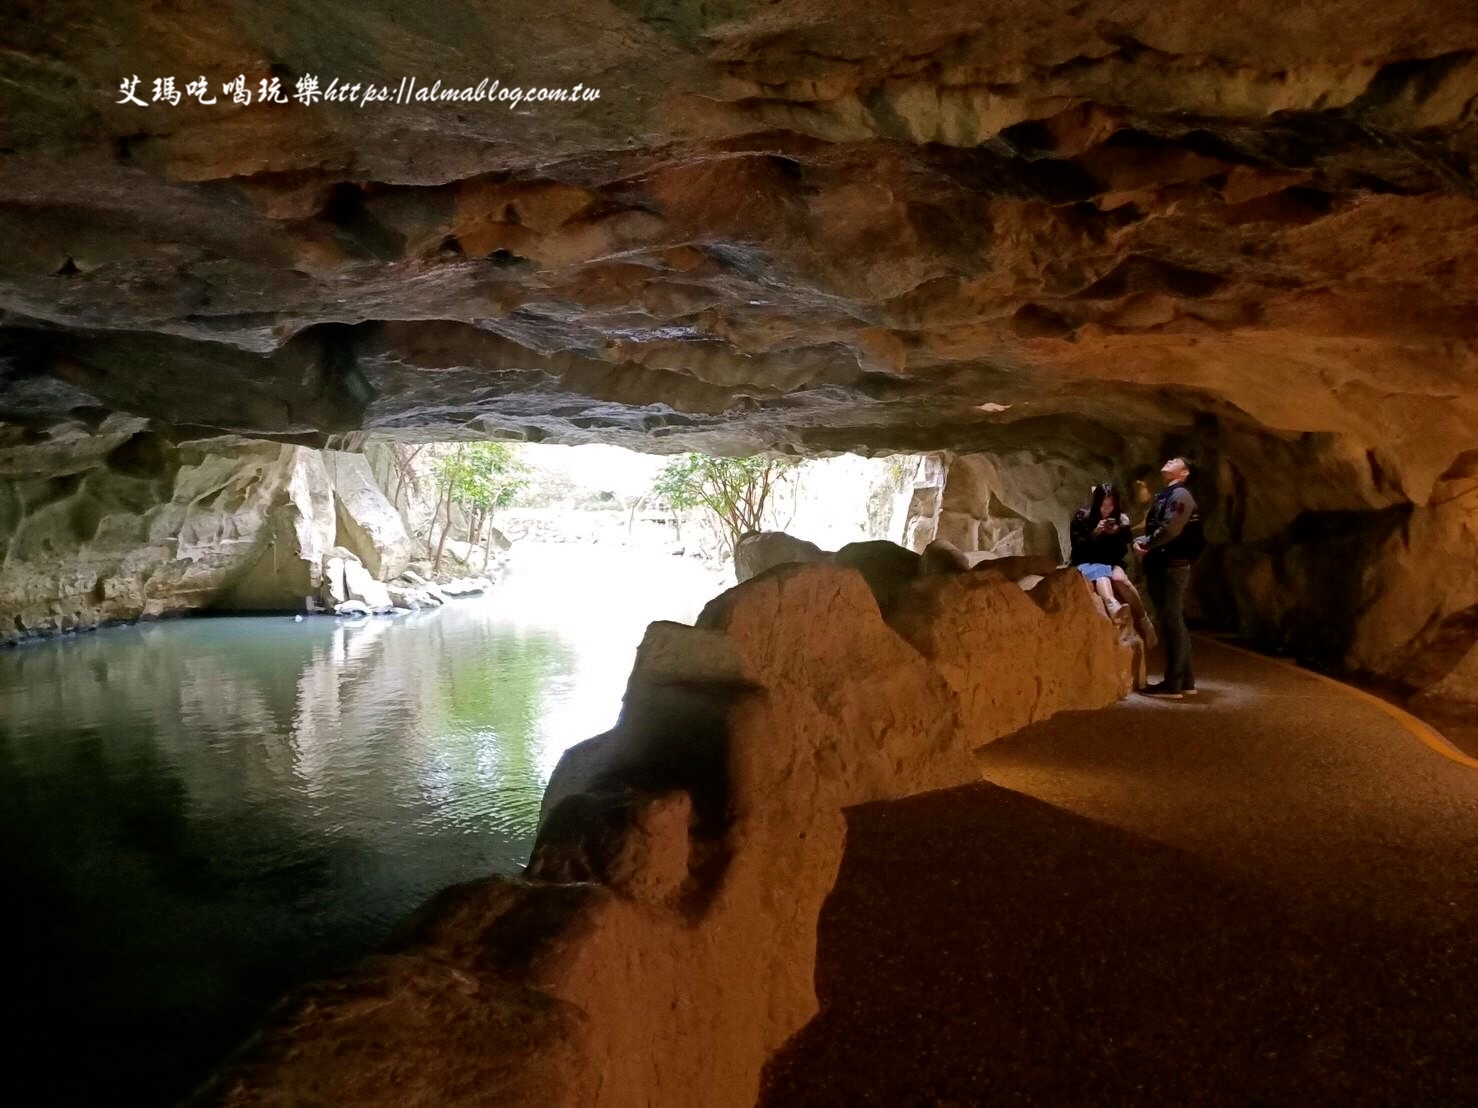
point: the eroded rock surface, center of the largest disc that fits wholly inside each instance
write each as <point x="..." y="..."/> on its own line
<point x="1313" y="551"/>
<point x="839" y="224"/>
<point x="773" y="219"/>
<point x="662" y="944"/>
<point x="993" y="227"/>
<point x="367" y="523"/>
<point x="124" y="524"/>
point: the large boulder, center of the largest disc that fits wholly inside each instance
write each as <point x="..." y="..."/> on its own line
<point x="334" y="590"/>
<point x="885" y="566"/>
<point x="367" y="523"/>
<point x="1016" y="567"/>
<point x="1010" y="654"/>
<point x="943" y="556"/>
<point x="361" y="585"/>
<point x="757" y="551"/>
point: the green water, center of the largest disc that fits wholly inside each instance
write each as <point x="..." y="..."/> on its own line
<point x="197" y="815"/>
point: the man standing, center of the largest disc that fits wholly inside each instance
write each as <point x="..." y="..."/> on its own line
<point x="1172" y="540"/>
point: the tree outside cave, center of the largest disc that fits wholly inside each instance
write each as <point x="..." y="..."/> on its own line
<point x="734" y="495"/>
<point x="467" y="501"/>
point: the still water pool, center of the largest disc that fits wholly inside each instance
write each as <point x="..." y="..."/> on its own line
<point x="199" y="814"/>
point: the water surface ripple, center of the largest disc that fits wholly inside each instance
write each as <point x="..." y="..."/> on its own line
<point x="199" y="814"/>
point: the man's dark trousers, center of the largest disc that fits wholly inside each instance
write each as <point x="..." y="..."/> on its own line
<point x="1168" y="585"/>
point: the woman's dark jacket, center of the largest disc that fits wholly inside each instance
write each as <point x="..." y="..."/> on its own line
<point x="1109" y="548"/>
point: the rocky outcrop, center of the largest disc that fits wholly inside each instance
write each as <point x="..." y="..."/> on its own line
<point x="886" y="567"/>
<point x="1338" y="567"/>
<point x="662" y="942"/>
<point x="124" y="524"/>
<point x="1024" y="235"/>
<point x="293" y="544"/>
<point x="757" y="551"/>
<point x="1058" y="645"/>
<point x="367" y="523"/>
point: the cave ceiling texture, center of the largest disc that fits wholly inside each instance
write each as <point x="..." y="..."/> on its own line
<point x="812" y="225"/>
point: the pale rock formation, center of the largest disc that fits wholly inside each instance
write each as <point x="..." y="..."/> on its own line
<point x="926" y="498"/>
<point x="662" y="944"/>
<point x="361" y="585"/>
<point x="367" y="523"/>
<point x="998" y="506"/>
<point x="297" y="533"/>
<point x="410" y="597"/>
<point x="406" y="593"/>
<point x="465" y="586"/>
<point x="125" y="525"/>
<point x="757" y="551"/>
<point x="335" y="589"/>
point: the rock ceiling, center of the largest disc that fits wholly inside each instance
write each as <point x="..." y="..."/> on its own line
<point x="811" y="224"/>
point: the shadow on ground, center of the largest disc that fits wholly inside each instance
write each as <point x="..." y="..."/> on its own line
<point x="982" y="947"/>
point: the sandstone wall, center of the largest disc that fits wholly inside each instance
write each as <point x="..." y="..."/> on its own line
<point x="1319" y="545"/>
<point x="1324" y="555"/>
<point x="367" y="523"/>
<point x="123" y="524"/>
<point x="662" y="943"/>
<point x="806" y="225"/>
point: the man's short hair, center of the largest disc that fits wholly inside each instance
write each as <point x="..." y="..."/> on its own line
<point x="1190" y="466"/>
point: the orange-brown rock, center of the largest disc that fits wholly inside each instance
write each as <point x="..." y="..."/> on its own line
<point x="1039" y="233"/>
<point x="662" y="943"/>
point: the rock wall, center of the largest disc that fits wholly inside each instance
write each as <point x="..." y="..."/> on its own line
<point x="123" y="524"/>
<point x="1321" y="552"/>
<point x="367" y="524"/>
<point x="807" y="225"/>
<point x="1318" y="547"/>
<point x="662" y="942"/>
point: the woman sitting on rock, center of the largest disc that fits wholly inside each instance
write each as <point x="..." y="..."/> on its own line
<point x="1101" y="536"/>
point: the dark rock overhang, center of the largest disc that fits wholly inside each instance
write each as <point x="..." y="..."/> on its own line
<point x="785" y="225"/>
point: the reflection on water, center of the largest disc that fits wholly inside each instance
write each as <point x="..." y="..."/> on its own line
<point x="196" y="815"/>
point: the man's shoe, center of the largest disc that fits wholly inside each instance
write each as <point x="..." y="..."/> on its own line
<point x="1163" y="691"/>
<point x="1190" y="691"/>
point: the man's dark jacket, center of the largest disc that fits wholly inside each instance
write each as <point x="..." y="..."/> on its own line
<point x="1167" y="543"/>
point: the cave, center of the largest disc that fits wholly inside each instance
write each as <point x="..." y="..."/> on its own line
<point x="247" y="251"/>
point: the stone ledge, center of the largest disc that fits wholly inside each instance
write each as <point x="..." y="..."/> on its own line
<point x="662" y="944"/>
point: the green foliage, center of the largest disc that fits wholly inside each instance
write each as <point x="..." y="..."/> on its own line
<point x="734" y="491"/>
<point x="482" y="475"/>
